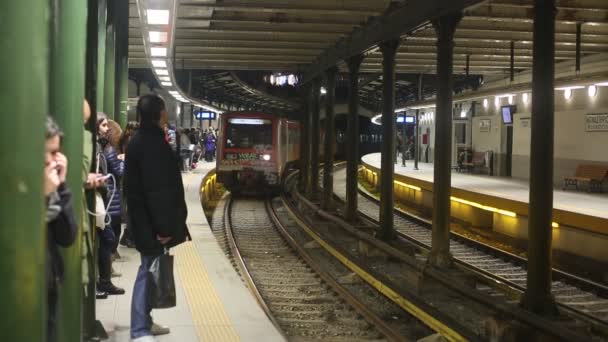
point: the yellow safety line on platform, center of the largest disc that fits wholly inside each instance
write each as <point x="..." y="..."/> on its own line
<point x="407" y="305"/>
<point x="208" y="314"/>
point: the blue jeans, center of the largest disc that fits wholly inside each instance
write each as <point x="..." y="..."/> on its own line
<point x="141" y="321"/>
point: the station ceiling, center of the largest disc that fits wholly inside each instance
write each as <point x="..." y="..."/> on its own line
<point x="287" y="35"/>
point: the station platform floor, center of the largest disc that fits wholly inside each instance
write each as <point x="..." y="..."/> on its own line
<point x="589" y="204"/>
<point x="213" y="304"/>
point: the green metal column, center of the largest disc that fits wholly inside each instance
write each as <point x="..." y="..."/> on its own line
<point x="315" y="137"/>
<point x="122" y="61"/>
<point x="387" y="174"/>
<point x="537" y="297"/>
<point x="330" y="134"/>
<point x="24" y="70"/>
<point x="68" y="46"/>
<point x="109" y="94"/>
<point x="440" y="246"/>
<point x="352" y="138"/>
<point x="102" y="17"/>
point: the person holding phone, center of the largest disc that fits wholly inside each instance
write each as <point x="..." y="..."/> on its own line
<point x="60" y="220"/>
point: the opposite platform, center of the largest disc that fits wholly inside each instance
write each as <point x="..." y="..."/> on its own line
<point x="213" y="304"/>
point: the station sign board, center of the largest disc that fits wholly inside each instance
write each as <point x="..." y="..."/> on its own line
<point x="596" y="122"/>
<point x="204" y="115"/>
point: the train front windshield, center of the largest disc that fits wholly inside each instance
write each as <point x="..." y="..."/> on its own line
<point x="242" y="133"/>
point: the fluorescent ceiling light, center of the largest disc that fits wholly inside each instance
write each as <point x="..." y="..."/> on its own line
<point x="166" y="84"/>
<point x="158" y="37"/>
<point x="165" y="78"/>
<point x="571" y="88"/>
<point x="158" y="17"/>
<point x="602" y="84"/>
<point x="159" y="63"/>
<point x="158" y="52"/>
<point x="592" y="90"/>
<point x="162" y="72"/>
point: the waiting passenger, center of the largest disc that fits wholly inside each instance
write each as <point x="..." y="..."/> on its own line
<point x="60" y="220"/>
<point x="186" y="149"/>
<point x="107" y="237"/>
<point x="125" y="138"/>
<point x="157" y="207"/>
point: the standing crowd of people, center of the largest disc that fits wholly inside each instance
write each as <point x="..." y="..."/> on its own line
<point x="135" y="179"/>
<point x="192" y="144"/>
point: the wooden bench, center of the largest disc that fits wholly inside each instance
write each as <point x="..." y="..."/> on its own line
<point x="591" y="174"/>
<point x="478" y="160"/>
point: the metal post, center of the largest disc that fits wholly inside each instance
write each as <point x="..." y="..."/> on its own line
<point x="308" y="135"/>
<point x="578" y="47"/>
<point x="315" y="129"/>
<point x="403" y="139"/>
<point x="352" y="136"/>
<point x="512" y="68"/>
<point x="88" y="240"/>
<point x="102" y="16"/>
<point x="537" y="297"/>
<point x="330" y="133"/>
<point x="122" y="62"/>
<point x="304" y="156"/>
<point x="416" y="138"/>
<point x="24" y="70"/>
<point x="387" y="174"/>
<point x="440" y="249"/>
<point x="109" y="96"/>
<point x="67" y="52"/>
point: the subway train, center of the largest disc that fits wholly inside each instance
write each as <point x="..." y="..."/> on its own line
<point x="254" y="149"/>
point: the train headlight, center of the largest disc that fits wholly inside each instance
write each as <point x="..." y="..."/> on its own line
<point x="266" y="157"/>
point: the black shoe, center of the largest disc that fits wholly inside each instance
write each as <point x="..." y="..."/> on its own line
<point x="111" y="289"/>
<point x="101" y="295"/>
<point x="127" y="243"/>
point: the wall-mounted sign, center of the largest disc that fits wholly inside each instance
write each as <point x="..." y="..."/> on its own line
<point x="204" y="115"/>
<point x="596" y="122"/>
<point x="524" y="122"/>
<point x="484" y="125"/>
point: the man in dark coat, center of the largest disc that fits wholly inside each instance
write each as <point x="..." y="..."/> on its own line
<point x="155" y="198"/>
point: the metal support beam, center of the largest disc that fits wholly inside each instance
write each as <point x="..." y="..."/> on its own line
<point x="102" y="19"/>
<point x="315" y="136"/>
<point x="387" y="174"/>
<point x="304" y="136"/>
<point x="391" y="25"/>
<point x="66" y="94"/>
<point x="330" y="133"/>
<point x="109" y="96"/>
<point x="403" y="140"/>
<point x="352" y="136"/>
<point x="122" y="62"/>
<point x="24" y="70"/>
<point x="537" y="297"/>
<point x="416" y="126"/>
<point x="307" y="132"/>
<point x="578" y="47"/>
<point x="440" y="250"/>
<point x="512" y="67"/>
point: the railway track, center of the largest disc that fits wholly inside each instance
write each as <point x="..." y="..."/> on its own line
<point x="294" y="296"/>
<point x="573" y="294"/>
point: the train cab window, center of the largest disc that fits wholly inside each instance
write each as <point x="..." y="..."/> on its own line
<point x="249" y="133"/>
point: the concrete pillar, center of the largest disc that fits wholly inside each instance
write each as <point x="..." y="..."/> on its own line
<point x="24" y="68"/>
<point x="387" y="174"/>
<point x="537" y="297"/>
<point x="315" y="137"/>
<point x="352" y="137"/>
<point x="440" y="247"/>
<point x="330" y="133"/>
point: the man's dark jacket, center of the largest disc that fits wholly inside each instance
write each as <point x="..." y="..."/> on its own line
<point x="154" y="191"/>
